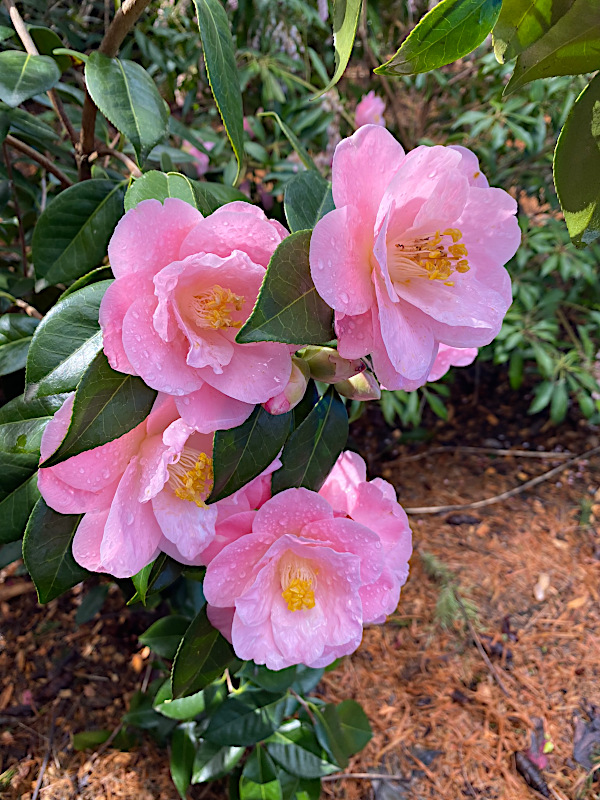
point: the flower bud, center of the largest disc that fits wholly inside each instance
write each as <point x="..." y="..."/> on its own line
<point x="294" y="389"/>
<point x="328" y="366"/>
<point x="360" y="387"/>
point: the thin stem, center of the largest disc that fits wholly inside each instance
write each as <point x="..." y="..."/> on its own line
<point x="124" y="20"/>
<point x="30" y="47"/>
<point x="44" y="162"/>
<point x="17" y="208"/>
<point x="101" y="150"/>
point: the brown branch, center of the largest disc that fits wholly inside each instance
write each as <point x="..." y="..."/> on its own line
<point x="44" y="162"/>
<point x="102" y="150"/>
<point x="30" y="47"/>
<point x="505" y="495"/>
<point x="363" y="776"/>
<point x="124" y="20"/>
<point x="491" y="451"/>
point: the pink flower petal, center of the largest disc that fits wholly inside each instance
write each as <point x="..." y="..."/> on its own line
<point x="355" y="334"/>
<point x="290" y="511"/>
<point x="451" y="357"/>
<point x="190" y="527"/>
<point x="88" y="539"/>
<point x="149" y="236"/>
<point x="113" y="308"/>
<point x="209" y="410"/>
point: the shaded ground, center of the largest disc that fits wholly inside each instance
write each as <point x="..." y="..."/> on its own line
<point x="440" y="718"/>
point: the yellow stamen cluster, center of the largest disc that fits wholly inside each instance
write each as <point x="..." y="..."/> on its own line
<point x="298" y="581"/>
<point x="192" y="477"/>
<point x="299" y="594"/>
<point x="214" y="307"/>
<point x="438" y="258"/>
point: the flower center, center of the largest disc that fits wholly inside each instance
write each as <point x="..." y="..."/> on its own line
<point x="191" y="478"/>
<point x="297" y="581"/>
<point x="435" y="257"/>
<point x="214" y="307"/>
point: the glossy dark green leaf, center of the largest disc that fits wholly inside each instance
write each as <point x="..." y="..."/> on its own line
<point x="293" y="140"/>
<point x="94" y="276"/>
<point x="314" y="447"/>
<point x="65" y="343"/>
<point x="72" y="233"/>
<point x="186" y="708"/>
<point x="345" y="22"/>
<point x="210" y="196"/>
<point x="47" y="551"/>
<point x="21" y="427"/>
<point x="201" y="658"/>
<point x="127" y="96"/>
<point x="577" y="167"/>
<point x="259" y="780"/>
<point x="6" y="33"/>
<point x="296" y="749"/>
<point x="213" y="761"/>
<point x="570" y="47"/>
<point x="16" y="331"/>
<point x="158" y="186"/>
<point x="288" y="308"/>
<point x="91" y="604"/>
<point x="107" y="405"/>
<point x="155" y="577"/>
<point x="164" y="635"/>
<point x="183" y="751"/>
<point x="451" y="30"/>
<point x="329" y="733"/>
<point x="268" y="679"/>
<point x="354" y="724"/>
<point x="222" y="71"/>
<point x="246" y="718"/>
<point x="520" y="24"/>
<point x="242" y="453"/>
<point x="46" y="42"/>
<point x="22" y="76"/>
<point x="307" y="198"/>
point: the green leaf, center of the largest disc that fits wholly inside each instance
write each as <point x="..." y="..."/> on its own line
<point x="314" y="447"/>
<point x="210" y="196"/>
<point x="5" y="33"/>
<point x="520" y="24"/>
<point x="107" y="405"/>
<point x="293" y="140"/>
<point x="288" y="308"/>
<point x="345" y="23"/>
<point x="354" y="724"/>
<point x="213" y="761"/>
<point x="570" y="47"/>
<point x="21" y="427"/>
<point x="22" y="76"/>
<point x="329" y="734"/>
<point x="158" y="186"/>
<point x="65" y="342"/>
<point x="128" y="97"/>
<point x="94" y="276"/>
<point x="259" y="779"/>
<point x="183" y="751"/>
<point x="268" y="679"/>
<point x="16" y="331"/>
<point x="46" y="42"/>
<point x="185" y="708"/>
<point x="242" y="453"/>
<point x="201" y="658"/>
<point x="543" y="395"/>
<point x="296" y="748"/>
<point x="560" y="401"/>
<point x="72" y="233"/>
<point x="448" y="32"/>
<point x="246" y="718"/>
<point x="89" y="740"/>
<point x="222" y="71"/>
<point x="164" y="636"/>
<point x="577" y="167"/>
<point x="307" y="198"/>
<point x="47" y="551"/>
<point x="155" y="577"/>
<point x="91" y="604"/>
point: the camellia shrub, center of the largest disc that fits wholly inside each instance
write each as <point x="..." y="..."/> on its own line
<point x="190" y="358"/>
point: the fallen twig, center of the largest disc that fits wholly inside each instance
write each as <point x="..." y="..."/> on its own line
<point x="38" y="785"/>
<point x="505" y="495"/>
<point x="363" y="776"/>
<point x="15" y="589"/>
<point x="495" y="451"/>
<point x="478" y="645"/>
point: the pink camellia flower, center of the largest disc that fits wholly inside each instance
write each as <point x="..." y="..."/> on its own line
<point x="202" y="160"/>
<point x="370" y="111"/>
<point x="298" y="588"/>
<point x="413" y="254"/>
<point x="140" y="494"/>
<point x="373" y="504"/>
<point x="294" y="391"/>
<point x="451" y="357"/>
<point x="184" y="286"/>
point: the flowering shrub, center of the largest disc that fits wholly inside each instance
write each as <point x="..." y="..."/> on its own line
<point x="184" y="416"/>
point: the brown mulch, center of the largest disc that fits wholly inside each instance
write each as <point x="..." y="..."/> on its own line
<point x="529" y="565"/>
